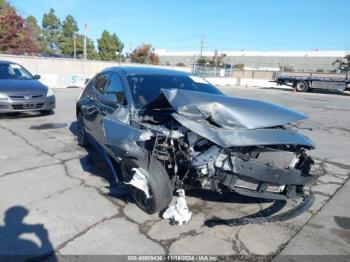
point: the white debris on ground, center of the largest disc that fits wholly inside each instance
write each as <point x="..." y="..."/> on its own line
<point x="139" y="180"/>
<point x="178" y="213"/>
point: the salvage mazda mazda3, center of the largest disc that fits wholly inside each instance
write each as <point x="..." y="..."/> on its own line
<point x="168" y="129"/>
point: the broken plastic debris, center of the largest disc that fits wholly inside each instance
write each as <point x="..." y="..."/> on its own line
<point x="178" y="213"/>
<point x="146" y="136"/>
<point x="139" y="180"/>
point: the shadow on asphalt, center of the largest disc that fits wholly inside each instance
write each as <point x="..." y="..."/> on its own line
<point x="73" y="128"/>
<point x="48" y="126"/>
<point x="343" y="222"/>
<point x="231" y="197"/>
<point x="34" y="114"/>
<point x="96" y="165"/>
<point x="225" y="197"/>
<point x="13" y="247"/>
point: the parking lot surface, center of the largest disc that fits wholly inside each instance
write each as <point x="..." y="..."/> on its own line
<point x="56" y="195"/>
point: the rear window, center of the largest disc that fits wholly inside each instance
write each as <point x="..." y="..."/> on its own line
<point x="146" y="88"/>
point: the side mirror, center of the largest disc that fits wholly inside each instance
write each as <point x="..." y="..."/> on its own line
<point x="37" y="77"/>
<point x="87" y="80"/>
<point x="109" y="100"/>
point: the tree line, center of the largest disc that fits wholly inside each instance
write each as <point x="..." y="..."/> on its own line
<point x="54" y="37"/>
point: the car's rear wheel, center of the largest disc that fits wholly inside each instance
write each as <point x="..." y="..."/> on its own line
<point x="158" y="181"/>
<point x="301" y="86"/>
<point x="81" y="135"/>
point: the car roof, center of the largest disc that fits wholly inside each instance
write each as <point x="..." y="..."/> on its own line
<point x="146" y="70"/>
<point x="4" y="62"/>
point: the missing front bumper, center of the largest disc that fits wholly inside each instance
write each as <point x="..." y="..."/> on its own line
<point x="266" y="216"/>
<point x="255" y="179"/>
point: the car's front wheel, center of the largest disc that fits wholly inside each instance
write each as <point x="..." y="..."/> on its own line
<point x="160" y="187"/>
<point x="81" y="135"/>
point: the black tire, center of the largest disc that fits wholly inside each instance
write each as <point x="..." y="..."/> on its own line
<point x="301" y="86"/>
<point x="159" y="184"/>
<point x="81" y="135"/>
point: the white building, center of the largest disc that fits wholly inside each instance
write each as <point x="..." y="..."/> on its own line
<point x="298" y="60"/>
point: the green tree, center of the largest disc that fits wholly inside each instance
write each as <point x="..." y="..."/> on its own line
<point x="144" y="55"/>
<point x="239" y="66"/>
<point x="109" y="45"/>
<point x="90" y="48"/>
<point x="51" y="25"/>
<point x="66" y="38"/>
<point x="36" y="32"/>
<point x="218" y="61"/>
<point x="343" y="64"/>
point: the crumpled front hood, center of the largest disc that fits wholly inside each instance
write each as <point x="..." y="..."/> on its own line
<point x="230" y="112"/>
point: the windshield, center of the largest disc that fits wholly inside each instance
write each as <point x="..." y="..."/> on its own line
<point x="146" y="88"/>
<point x="14" y="71"/>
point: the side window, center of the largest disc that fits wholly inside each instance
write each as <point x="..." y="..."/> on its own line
<point x="101" y="81"/>
<point x="116" y="87"/>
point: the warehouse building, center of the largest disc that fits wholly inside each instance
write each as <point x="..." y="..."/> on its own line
<point x="304" y="61"/>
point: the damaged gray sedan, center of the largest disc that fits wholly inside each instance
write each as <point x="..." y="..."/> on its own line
<point x="165" y="130"/>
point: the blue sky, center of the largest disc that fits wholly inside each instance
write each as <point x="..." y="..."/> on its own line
<point x="226" y="24"/>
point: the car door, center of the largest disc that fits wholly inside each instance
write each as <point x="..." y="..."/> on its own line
<point x="91" y="107"/>
<point x="113" y="87"/>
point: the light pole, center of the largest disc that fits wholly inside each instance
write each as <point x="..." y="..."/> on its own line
<point x="75" y="45"/>
<point x="85" y="32"/>
<point x="202" y="44"/>
<point x="84" y="49"/>
<point x="118" y="52"/>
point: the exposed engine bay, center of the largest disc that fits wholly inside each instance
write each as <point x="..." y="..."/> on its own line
<point x="215" y="142"/>
<point x="276" y="171"/>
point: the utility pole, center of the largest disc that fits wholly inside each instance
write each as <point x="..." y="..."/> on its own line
<point x="84" y="49"/>
<point x="231" y="68"/>
<point x="75" y="45"/>
<point x="194" y="64"/>
<point x="202" y="44"/>
<point x="119" y="52"/>
<point x="85" y="32"/>
<point x="130" y="52"/>
<point x="283" y="64"/>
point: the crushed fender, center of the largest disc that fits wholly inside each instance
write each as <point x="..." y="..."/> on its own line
<point x="179" y="213"/>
